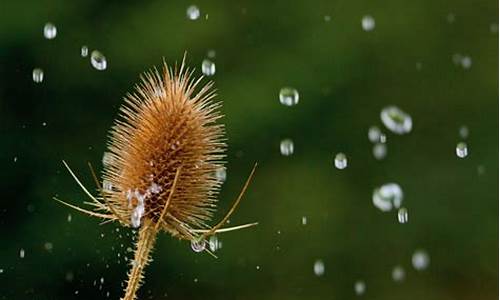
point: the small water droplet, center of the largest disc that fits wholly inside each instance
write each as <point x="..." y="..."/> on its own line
<point x="388" y="196"/>
<point x="462" y="150"/>
<point x="420" y="260"/>
<point x="84" y="51"/>
<point x="379" y="151"/>
<point x="193" y="12"/>
<point x="359" y="287"/>
<point x="98" y="60"/>
<point x="374" y="134"/>
<point x="319" y="267"/>
<point x="48" y="246"/>
<point x="340" y="161"/>
<point x="368" y="23"/>
<point x="211" y="53"/>
<point x="221" y="174"/>
<point x="398" y="274"/>
<point x="286" y="147"/>
<point x="403" y="215"/>
<point x="214" y="244"/>
<point x="107" y="159"/>
<point x="37" y="75"/>
<point x="208" y="67"/>
<point x="69" y="218"/>
<point x="396" y="120"/>
<point x="304" y="220"/>
<point x="49" y="31"/>
<point x="327" y="18"/>
<point x="21" y="253"/>
<point x="198" y="246"/>
<point x="463" y="131"/>
<point x="466" y="62"/>
<point x="493" y="27"/>
<point x="289" y="96"/>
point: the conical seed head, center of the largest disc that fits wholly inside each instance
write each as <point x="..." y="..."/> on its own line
<point x="168" y="124"/>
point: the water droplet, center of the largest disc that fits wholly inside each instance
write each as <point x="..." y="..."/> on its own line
<point x="379" y="151"/>
<point x="368" y="23"/>
<point x="98" y="60"/>
<point x="69" y="218"/>
<point x="374" y="134"/>
<point x="214" y="244"/>
<point x="327" y="18"/>
<point x="211" y="53"/>
<point x="388" y="196"/>
<point x="37" y="75"/>
<point x="304" y="220"/>
<point x="289" y="96"/>
<point x="466" y="62"/>
<point x="49" y="31"/>
<point x="221" y="174"/>
<point x="21" y="253"/>
<point x="257" y="267"/>
<point x="286" y="147"/>
<point x="198" y="246"/>
<point x="107" y="186"/>
<point x="398" y="274"/>
<point x="84" y="51"/>
<point x="420" y="260"/>
<point x="462" y="150"/>
<point x="48" y="246"/>
<point x="396" y="120"/>
<point x="340" y="161"/>
<point x="193" y="12"/>
<point x="319" y="267"/>
<point x="493" y="28"/>
<point x="208" y="67"/>
<point x="463" y="131"/>
<point x="403" y="215"/>
<point x="450" y="18"/>
<point x="359" y="287"/>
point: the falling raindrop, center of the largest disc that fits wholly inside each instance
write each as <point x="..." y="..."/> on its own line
<point x="462" y="150"/>
<point x="398" y="274"/>
<point x="420" y="260"/>
<point x="286" y="147"/>
<point x="214" y="244"/>
<point x="107" y="186"/>
<point x="98" y="60"/>
<point x="304" y="220"/>
<point x="49" y="31"/>
<point x="463" y="131"/>
<point x="340" y="161"/>
<point x="211" y="53"/>
<point x="84" y="51"/>
<point x="198" y="246"/>
<point x="208" y="67"/>
<point x="48" y="246"/>
<point x="37" y="75"/>
<point x="466" y="62"/>
<point x="374" y="134"/>
<point x="319" y="267"/>
<point x="21" y="253"/>
<point x="403" y="215"/>
<point x="193" y="12"/>
<point x="289" y="96"/>
<point x="396" y="120"/>
<point x="387" y="197"/>
<point x="359" y="287"/>
<point x="379" y="151"/>
<point x="368" y="23"/>
<point x="69" y="218"/>
<point x="450" y="18"/>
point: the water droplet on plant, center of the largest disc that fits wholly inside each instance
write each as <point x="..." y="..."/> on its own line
<point x="198" y="246"/>
<point x="359" y="287"/>
<point x="211" y="53"/>
<point x="213" y="243"/>
<point x="98" y="60"/>
<point x="286" y="147"/>
<point x="107" y="159"/>
<point x="107" y="186"/>
<point x="396" y="120"/>
<point x="379" y="151"/>
<point x="84" y="51"/>
<point x="388" y="196"/>
<point x="49" y="31"/>
<point x="340" y="161"/>
<point x="462" y="150"/>
<point x="289" y="96"/>
<point x="398" y="274"/>
<point x="319" y="267"/>
<point x="368" y="23"/>
<point x="221" y="174"/>
<point x="463" y="131"/>
<point x="402" y="215"/>
<point x="208" y="67"/>
<point x="420" y="260"/>
<point x="37" y="75"/>
<point x="450" y="18"/>
<point x="193" y="12"/>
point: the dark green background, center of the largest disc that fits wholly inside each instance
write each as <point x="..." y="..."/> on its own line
<point x="344" y="75"/>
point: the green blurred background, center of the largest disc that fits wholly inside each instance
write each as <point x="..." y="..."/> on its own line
<point x="344" y="75"/>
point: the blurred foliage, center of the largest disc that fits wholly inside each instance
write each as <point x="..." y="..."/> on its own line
<point x="344" y="75"/>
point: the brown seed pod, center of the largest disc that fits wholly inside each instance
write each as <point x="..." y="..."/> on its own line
<point x="159" y="173"/>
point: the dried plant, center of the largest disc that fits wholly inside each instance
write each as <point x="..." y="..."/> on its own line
<point x="159" y="173"/>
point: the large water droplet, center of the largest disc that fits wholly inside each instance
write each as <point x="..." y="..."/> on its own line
<point x="462" y="150"/>
<point x="98" y="60"/>
<point x="37" y="75"/>
<point x="193" y="12"/>
<point x="289" y="96"/>
<point x="340" y="161"/>
<point x="379" y="151"/>
<point x="198" y="246"/>
<point x="359" y="287"/>
<point x="286" y="147"/>
<point x="84" y="51"/>
<point x="319" y="267"/>
<point x="208" y="67"/>
<point x="403" y="215"/>
<point x="398" y="274"/>
<point x="420" y="260"/>
<point x="396" y="120"/>
<point x="49" y="31"/>
<point x="368" y="23"/>
<point x="388" y="196"/>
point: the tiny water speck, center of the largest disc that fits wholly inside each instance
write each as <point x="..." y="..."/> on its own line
<point x="340" y="161"/>
<point x="21" y="253"/>
<point x="48" y="246"/>
<point x="398" y="274"/>
<point x="304" y="220"/>
<point x="198" y="246"/>
<point x="49" y="31"/>
<point x="37" y="75"/>
<point x="193" y="12"/>
<point x="319" y="267"/>
<point x="420" y="260"/>
<point x="98" y="60"/>
<point x="208" y="67"/>
<point x="396" y="120"/>
<point x="359" y="287"/>
<point x="84" y="51"/>
<point x="286" y="147"/>
<point x="368" y="23"/>
<point x="462" y="150"/>
<point x="379" y="151"/>
<point x="403" y="215"/>
<point x="466" y="62"/>
<point x="387" y="197"/>
<point x="69" y="218"/>
<point x="289" y="96"/>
